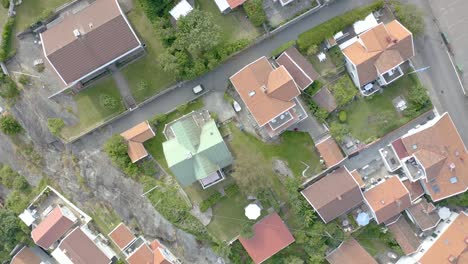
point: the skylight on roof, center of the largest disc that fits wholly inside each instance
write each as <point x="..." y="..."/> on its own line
<point x="453" y="179"/>
<point x="415" y="146"/>
<point x="251" y="93"/>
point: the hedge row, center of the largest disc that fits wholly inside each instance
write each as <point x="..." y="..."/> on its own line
<point x="316" y="35"/>
<point x="5" y="47"/>
<point x="212" y="200"/>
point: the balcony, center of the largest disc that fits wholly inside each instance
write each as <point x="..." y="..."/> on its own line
<point x="414" y="170"/>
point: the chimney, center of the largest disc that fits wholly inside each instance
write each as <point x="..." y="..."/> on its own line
<point x="382" y="201"/>
<point x="452" y="259"/>
<point x="264" y="89"/>
<point x="77" y="33"/>
<point x="452" y="166"/>
<point x="339" y="197"/>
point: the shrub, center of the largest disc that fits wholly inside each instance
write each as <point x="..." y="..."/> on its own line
<point x="7" y="176"/>
<point x="40" y="68"/>
<point x="181" y="108"/>
<point x="212" y="200"/>
<point x="6" y="4"/>
<point x="316" y="35"/>
<point x="108" y="102"/>
<point x="55" y="125"/>
<point x="24" y="79"/>
<point x="116" y="149"/>
<point x="9" y="125"/>
<point x="255" y="12"/>
<point x="159" y="119"/>
<point x="282" y="48"/>
<point x="342" y="116"/>
<point x="339" y="131"/>
<point x="343" y="90"/>
<point x="20" y="183"/>
<point x="5" y="46"/>
<point x="312" y="50"/>
<point x="8" y="88"/>
<point x="247" y="230"/>
<point x="232" y="190"/>
<point x="313" y="88"/>
<point x="321" y="114"/>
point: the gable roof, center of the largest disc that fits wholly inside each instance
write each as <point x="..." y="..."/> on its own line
<point x="452" y="242"/>
<point x="122" y="236"/>
<point x="105" y="35"/>
<point x="297" y="65"/>
<point x="405" y="236"/>
<point x="330" y="151"/>
<point x="424" y="214"/>
<point x="25" y="256"/>
<point x="81" y="250"/>
<point x="388" y="199"/>
<point x="349" y="252"/>
<point x="235" y="3"/>
<point x="334" y="194"/>
<point x="143" y="255"/>
<point x="415" y="189"/>
<point x="195" y="152"/>
<point x="266" y="92"/>
<point x="438" y="148"/>
<point x="135" y="138"/>
<point x="52" y="227"/>
<point x="380" y="49"/>
<point x="271" y="236"/>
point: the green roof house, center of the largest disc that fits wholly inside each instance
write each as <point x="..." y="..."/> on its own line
<point x="195" y="150"/>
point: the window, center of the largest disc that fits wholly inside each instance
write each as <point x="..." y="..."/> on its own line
<point x="453" y="179"/>
<point x="415" y="146"/>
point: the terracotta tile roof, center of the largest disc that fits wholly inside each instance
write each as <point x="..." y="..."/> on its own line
<point x="53" y="227"/>
<point x="143" y="255"/>
<point x="405" y="236"/>
<point x="453" y="242"/>
<point x="267" y="92"/>
<point x="235" y="3"/>
<point x="357" y="176"/>
<point x="388" y="199"/>
<point x="104" y="36"/>
<point x="330" y="151"/>
<point x="442" y="152"/>
<point x="271" y="236"/>
<point x="81" y="250"/>
<point x="415" y="189"/>
<point x="325" y="99"/>
<point x="297" y="65"/>
<point x="159" y="257"/>
<point x="135" y="137"/>
<point x="122" y="236"/>
<point x="400" y="148"/>
<point x="424" y="214"/>
<point x="25" y="256"/>
<point x="334" y="194"/>
<point x="380" y="49"/>
<point x="349" y="252"/>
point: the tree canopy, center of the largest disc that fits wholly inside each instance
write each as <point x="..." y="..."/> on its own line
<point x="12" y="232"/>
<point x="9" y="125"/>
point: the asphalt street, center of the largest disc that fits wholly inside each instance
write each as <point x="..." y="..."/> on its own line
<point x="218" y="78"/>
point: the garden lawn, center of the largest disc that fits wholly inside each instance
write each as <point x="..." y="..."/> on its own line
<point x="228" y="216"/>
<point x="90" y="111"/>
<point x="29" y="11"/>
<point x="146" y="69"/>
<point x="375" y="242"/>
<point x="371" y="118"/>
<point x="234" y="25"/>
<point x="259" y="156"/>
<point x="105" y="218"/>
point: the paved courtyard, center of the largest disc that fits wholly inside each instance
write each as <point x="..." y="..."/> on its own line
<point x="277" y="14"/>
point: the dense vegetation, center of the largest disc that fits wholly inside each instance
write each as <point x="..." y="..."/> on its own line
<point x="6" y="50"/>
<point x="116" y="148"/>
<point x="55" y="125"/>
<point x="8" y="88"/>
<point x="255" y="12"/>
<point x="410" y="16"/>
<point x="9" y="125"/>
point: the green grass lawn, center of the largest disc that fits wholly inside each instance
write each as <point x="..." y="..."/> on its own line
<point x="146" y="69"/>
<point x="371" y="118"/>
<point x="234" y="25"/>
<point x="90" y="111"/>
<point x="31" y="10"/>
<point x="375" y="242"/>
<point x="105" y="218"/>
<point x="228" y="217"/>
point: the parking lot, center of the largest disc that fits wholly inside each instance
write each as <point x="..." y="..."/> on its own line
<point x="452" y="20"/>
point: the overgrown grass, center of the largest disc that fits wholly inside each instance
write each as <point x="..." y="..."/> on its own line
<point x="374" y="241"/>
<point x="30" y="11"/>
<point x="234" y="25"/>
<point x="90" y="111"/>
<point x="146" y="76"/>
<point x="371" y="118"/>
<point x="105" y="218"/>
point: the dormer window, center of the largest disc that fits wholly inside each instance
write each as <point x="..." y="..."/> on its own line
<point x="251" y="93"/>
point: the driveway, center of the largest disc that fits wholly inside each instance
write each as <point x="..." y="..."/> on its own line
<point x="218" y="78"/>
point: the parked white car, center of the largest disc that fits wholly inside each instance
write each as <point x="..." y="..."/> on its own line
<point x="236" y="106"/>
<point x="197" y="89"/>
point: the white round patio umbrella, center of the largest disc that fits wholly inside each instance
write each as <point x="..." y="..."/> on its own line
<point x="444" y="213"/>
<point x="252" y="211"/>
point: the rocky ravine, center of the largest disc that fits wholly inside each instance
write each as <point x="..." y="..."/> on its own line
<point x="105" y="182"/>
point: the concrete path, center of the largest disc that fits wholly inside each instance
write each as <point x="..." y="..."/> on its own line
<point x="218" y="78"/>
<point x="124" y="89"/>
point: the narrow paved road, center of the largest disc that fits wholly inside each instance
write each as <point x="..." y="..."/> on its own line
<point x="218" y="78"/>
<point x="440" y="79"/>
